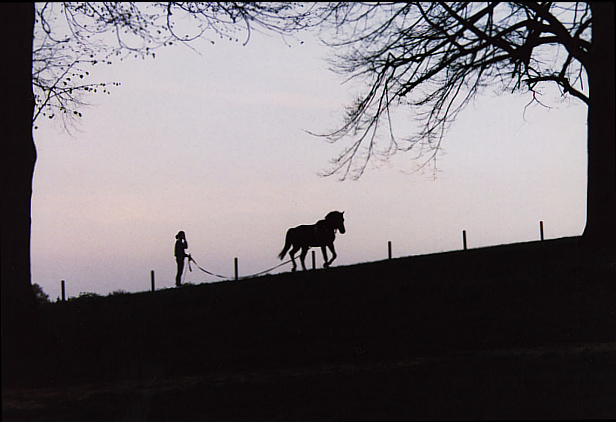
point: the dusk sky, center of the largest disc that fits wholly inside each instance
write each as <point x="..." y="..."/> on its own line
<point x="216" y="144"/>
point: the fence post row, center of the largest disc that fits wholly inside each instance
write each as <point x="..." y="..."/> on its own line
<point x="236" y="270"/>
<point x="389" y="256"/>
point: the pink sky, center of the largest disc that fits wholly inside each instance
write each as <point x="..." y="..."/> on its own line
<point x="215" y="145"/>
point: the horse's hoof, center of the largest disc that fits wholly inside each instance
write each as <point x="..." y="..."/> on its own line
<point x="293" y="269"/>
<point x="326" y="265"/>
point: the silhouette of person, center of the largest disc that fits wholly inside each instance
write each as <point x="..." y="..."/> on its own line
<point x="180" y="253"/>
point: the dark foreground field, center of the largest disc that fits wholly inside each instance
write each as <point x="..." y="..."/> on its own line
<point x="523" y="331"/>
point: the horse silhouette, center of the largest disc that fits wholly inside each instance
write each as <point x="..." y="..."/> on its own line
<point x="322" y="234"/>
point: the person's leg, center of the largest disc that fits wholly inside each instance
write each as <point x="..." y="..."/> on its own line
<point x="178" y="276"/>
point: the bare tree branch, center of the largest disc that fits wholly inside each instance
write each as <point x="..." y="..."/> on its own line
<point x="72" y="37"/>
<point x="434" y="58"/>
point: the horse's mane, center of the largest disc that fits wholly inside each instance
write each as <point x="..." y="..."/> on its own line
<point x="331" y="219"/>
<point x="331" y="214"/>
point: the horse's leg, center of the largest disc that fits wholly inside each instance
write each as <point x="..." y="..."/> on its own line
<point x="302" y="257"/>
<point x="331" y="248"/>
<point x="292" y="253"/>
<point x="324" y="252"/>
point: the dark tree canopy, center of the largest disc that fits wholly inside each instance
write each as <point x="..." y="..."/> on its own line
<point x="433" y="58"/>
<point x="71" y="38"/>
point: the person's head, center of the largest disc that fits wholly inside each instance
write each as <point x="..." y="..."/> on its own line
<point x="180" y="235"/>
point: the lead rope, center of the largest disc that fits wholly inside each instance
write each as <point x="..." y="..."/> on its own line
<point x="190" y="258"/>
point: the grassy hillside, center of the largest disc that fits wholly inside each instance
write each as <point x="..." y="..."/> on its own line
<point x="432" y="321"/>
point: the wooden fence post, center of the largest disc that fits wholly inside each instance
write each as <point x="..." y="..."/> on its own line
<point x="63" y="287"/>
<point x="389" y="249"/>
<point x="152" y="280"/>
<point x="235" y="268"/>
<point x="541" y="230"/>
<point x="314" y="261"/>
<point x="464" y="238"/>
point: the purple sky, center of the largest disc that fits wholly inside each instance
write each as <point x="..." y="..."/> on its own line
<point x="215" y="145"/>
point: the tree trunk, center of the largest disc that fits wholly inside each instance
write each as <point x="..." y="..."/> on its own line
<point x="19" y="310"/>
<point x="600" y="228"/>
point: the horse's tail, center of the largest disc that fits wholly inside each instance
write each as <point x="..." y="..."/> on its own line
<point x="287" y="246"/>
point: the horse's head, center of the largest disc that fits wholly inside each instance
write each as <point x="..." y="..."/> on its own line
<point x="335" y="219"/>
